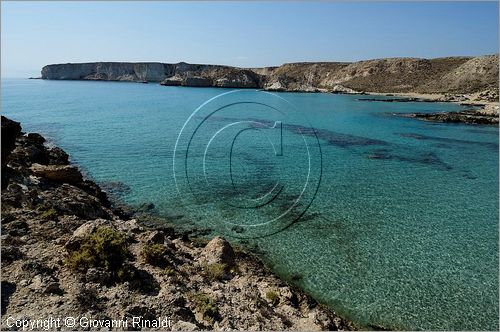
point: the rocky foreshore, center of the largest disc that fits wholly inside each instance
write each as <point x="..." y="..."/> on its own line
<point x="468" y="117"/>
<point x="67" y="251"/>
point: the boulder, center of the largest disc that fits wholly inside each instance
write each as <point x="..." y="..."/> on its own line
<point x="57" y="173"/>
<point x="58" y="156"/>
<point x="218" y="251"/>
<point x="10" y="130"/>
<point x="35" y="138"/>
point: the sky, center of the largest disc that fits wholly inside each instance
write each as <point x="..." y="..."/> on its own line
<point x="246" y="34"/>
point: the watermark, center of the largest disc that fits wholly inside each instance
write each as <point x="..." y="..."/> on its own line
<point x="249" y="159"/>
<point x="86" y="322"/>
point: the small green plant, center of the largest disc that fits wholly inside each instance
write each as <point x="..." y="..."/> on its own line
<point x="105" y="248"/>
<point x="154" y="254"/>
<point x="169" y="271"/>
<point x="206" y="305"/>
<point x="49" y="214"/>
<point x="215" y="271"/>
<point x="273" y="297"/>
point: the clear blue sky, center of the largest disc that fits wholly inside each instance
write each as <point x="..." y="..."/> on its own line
<point x="241" y="34"/>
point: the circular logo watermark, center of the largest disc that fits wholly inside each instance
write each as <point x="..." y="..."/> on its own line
<point x="250" y="160"/>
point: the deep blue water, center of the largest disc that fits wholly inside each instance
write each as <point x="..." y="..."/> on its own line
<point x="402" y="231"/>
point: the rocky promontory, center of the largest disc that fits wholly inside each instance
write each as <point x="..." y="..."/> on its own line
<point x="396" y="75"/>
<point x="67" y="251"/>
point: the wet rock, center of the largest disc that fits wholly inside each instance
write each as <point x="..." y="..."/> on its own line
<point x="469" y="117"/>
<point x="58" y="156"/>
<point x="35" y="138"/>
<point x="10" y="131"/>
<point x="115" y="188"/>
<point x="94" y="190"/>
<point x="145" y="207"/>
<point x="57" y="173"/>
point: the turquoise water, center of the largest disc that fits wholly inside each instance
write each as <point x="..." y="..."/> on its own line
<point x="403" y="228"/>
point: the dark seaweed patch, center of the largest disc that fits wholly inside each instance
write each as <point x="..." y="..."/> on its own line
<point x="449" y="140"/>
<point x="487" y="132"/>
<point x="426" y="158"/>
<point x="335" y="138"/>
<point x="330" y="137"/>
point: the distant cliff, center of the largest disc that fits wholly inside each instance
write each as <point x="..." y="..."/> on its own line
<point x="441" y="75"/>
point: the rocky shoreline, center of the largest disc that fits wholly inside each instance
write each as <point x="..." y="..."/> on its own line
<point x="484" y="106"/>
<point x="68" y="251"/>
<point x="467" y="117"/>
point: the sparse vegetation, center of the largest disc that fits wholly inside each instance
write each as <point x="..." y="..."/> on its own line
<point x="273" y="297"/>
<point x="206" y="306"/>
<point x="88" y="298"/>
<point x="169" y="271"/>
<point x="105" y="248"/>
<point x="214" y="271"/>
<point x="154" y="254"/>
<point x="51" y="213"/>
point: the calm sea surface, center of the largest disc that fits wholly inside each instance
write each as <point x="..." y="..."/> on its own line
<point x="403" y="228"/>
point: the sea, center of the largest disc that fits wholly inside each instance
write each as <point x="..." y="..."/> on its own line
<point x="389" y="220"/>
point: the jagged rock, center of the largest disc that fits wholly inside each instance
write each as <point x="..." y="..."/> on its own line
<point x="91" y="188"/>
<point x="275" y="86"/>
<point x="58" y="156"/>
<point x="57" y="173"/>
<point x="238" y="79"/>
<point x="197" y="81"/>
<point x="470" y="117"/>
<point x="218" y="251"/>
<point x="35" y="138"/>
<point x="155" y="237"/>
<point x="10" y="131"/>
<point x="70" y="200"/>
<point x="172" y="81"/>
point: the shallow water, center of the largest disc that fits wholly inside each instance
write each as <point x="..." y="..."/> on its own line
<point x="402" y="231"/>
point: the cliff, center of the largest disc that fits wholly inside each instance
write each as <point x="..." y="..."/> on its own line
<point x="440" y="75"/>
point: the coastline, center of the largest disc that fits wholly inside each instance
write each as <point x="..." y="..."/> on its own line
<point x="486" y="106"/>
<point x="54" y="220"/>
